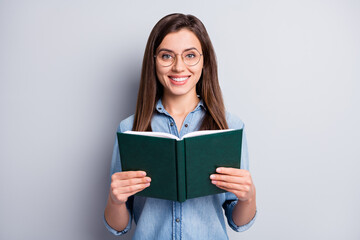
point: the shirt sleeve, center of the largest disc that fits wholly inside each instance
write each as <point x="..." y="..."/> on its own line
<point x="229" y="207"/>
<point x="230" y="198"/>
<point x="116" y="167"/>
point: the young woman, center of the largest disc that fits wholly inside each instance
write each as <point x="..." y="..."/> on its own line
<point x="179" y="93"/>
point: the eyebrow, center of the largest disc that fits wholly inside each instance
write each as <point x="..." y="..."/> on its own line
<point x="168" y="50"/>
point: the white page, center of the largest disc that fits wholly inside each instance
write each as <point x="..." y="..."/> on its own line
<point x="153" y="134"/>
<point x="168" y="135"/>
<point x="205" y="132"/>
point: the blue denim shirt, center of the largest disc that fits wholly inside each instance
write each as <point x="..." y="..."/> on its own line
<point x="198" y="218"/>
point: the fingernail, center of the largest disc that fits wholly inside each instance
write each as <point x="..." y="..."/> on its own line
<point x="148" y="184"/>
<point x="143" y="173"/>
<point x="212" y="176"/>
<point x="218" y="169"/>
<point x="148" y="179"/>
<point x="213" y="182"/>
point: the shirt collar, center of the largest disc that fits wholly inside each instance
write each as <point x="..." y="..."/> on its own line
<point x="160" y="108"/>
<point x="201" y="104"/>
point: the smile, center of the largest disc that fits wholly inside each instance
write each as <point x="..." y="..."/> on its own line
<point x="179" y="80"/>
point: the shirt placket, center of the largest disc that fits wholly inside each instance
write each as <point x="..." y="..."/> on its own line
<point x="172" y="126"/>
<point x="176" y="220"/>
<point x="186" y="125"/>
<point x="177" y="206"/>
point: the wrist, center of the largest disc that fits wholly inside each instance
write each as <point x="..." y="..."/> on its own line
<point x="115" y="203"/>
<point x="247" y="201"/>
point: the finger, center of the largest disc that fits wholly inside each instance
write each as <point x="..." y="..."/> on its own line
<point x="233" y="171"/>
<point x="241" y="195"/>
<point x="128" y="175"/>
<point x="231" y="179"/>
<point x="237" y="193"/>
<point x="133" y="189"/>
<point x="129" y="182"/>
<point x="121" y="197"/>
<point x="226" y="189"/>
<point x="141" y="189"/>
<point x="231" y="186"/>
<point x="227" y="178"/>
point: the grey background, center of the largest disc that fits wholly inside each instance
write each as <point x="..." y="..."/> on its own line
<point x="69" y="73"/>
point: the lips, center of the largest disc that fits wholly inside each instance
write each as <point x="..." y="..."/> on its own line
<point x="178" y="80"/>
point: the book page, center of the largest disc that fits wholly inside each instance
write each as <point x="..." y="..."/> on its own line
<point x="204" y="132"/>
<point x="168" y="135"/>
<point x="153" y="134"/>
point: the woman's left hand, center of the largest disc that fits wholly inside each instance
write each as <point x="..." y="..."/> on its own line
<point x="237" y="181"/>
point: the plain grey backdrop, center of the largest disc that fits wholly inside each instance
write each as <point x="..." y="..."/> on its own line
<point x="69" y="73"/>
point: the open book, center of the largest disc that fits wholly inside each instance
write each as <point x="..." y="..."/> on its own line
<point x="180" y="169"/>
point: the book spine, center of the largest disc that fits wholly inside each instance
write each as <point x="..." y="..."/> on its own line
<point x="180" y="165"/>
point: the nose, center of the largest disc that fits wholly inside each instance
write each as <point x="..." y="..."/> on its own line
<point x="179" y="64"/>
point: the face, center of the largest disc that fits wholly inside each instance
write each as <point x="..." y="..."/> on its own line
<point x="179" y="79"/>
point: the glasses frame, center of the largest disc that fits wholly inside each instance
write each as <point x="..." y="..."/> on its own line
<point x="182" y="57"/>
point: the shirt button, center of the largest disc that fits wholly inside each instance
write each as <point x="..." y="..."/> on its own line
<point x="186" y="125"/>
<point x="172" y="124"/>
<point x="177" y="220"/>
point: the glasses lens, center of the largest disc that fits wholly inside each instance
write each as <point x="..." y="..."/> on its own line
<point x="191" y="57"/>
<point x="165" y="58"/>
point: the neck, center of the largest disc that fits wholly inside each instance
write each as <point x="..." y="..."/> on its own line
<point x="180" y="105"/>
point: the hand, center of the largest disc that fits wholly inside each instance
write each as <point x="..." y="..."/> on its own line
<point x="237" y="181"/>
<point x="125" y="184"/>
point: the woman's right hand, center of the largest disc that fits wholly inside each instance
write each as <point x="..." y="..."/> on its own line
<point x="125" y="184"/>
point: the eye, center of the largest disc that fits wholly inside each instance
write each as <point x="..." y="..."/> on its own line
<point x="190" y="55"/>
<point x="166" y="56"/>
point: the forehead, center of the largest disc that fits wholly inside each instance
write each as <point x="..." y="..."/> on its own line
<point x="181" y="40"/>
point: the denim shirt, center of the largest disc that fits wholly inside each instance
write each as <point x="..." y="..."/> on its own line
<point x="198" y="218"/>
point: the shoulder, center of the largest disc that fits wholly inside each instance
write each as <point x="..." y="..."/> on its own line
<point x="126" y="124"/>
<point x="234" y="121"/>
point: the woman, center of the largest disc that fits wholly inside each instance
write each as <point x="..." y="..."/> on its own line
<point x="179" y="93"/>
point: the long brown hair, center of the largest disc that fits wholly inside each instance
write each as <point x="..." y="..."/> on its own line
<point x="151" y="90"/>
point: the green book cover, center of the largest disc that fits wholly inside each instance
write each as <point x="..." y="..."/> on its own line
<point x="180" y="169"/>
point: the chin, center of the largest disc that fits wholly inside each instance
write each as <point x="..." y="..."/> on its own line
<point x="179" y="92"/>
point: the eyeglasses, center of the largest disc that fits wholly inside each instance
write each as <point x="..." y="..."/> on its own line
<point x="166" y="57"/>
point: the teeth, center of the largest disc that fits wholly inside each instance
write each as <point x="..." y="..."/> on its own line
<point x="179" y="79"/>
